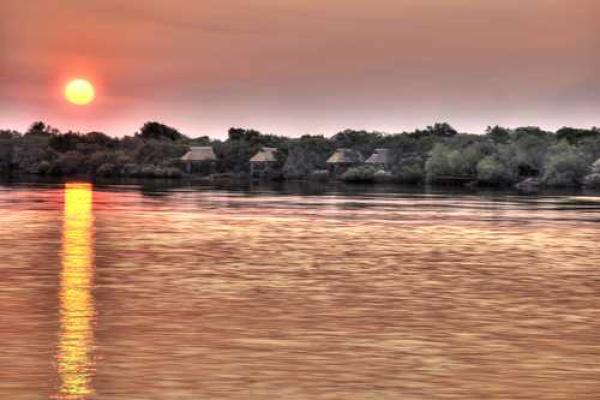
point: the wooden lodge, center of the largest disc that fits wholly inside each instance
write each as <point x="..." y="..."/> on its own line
<point x="200" y="159"/>
<point x="342" y="159"/>
<point x="262" y="164"/>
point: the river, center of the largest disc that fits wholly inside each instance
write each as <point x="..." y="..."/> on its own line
<point x="193" y="292"/>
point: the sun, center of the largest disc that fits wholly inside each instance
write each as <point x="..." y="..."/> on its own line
<point x="80" y="92"/>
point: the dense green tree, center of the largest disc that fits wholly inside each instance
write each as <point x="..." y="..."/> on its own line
<point x="498" y="134"/>
<point x="158" y="131"/>
<point x="65" y="142"/>
<point x="39" y="128"/>
<point x="498" y="169"/>
<point x="447" y="161"/>
<point x="305" y="155"/>
<point x="574" y="135"/>
<point x="442" y="129"/>
<point x="565" y="166"/>
<point x="362" y="141"/>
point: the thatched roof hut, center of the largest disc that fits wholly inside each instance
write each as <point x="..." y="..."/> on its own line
<point x="199" y="153"/>
<point x="379" y="156"/>
<point x="345" y="156"/>
<point x="266" y="155"/>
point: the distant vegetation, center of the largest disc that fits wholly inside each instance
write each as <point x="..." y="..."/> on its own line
<point x="438" y="154"/>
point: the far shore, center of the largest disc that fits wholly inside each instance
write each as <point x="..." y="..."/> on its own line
<point x="527" y="159"/>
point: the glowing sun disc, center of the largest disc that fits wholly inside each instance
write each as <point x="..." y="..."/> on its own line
<point x="80" y="92"/>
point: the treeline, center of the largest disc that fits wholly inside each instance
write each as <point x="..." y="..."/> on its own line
<point x="528" y="156"/>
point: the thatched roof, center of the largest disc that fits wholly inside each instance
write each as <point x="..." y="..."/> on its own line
<point x="267" y="154"/>
<point x="379" y="156"/>
<point x="345" y="156"/>
<point x="205" y="153"/>
<point x="596" y="166"/>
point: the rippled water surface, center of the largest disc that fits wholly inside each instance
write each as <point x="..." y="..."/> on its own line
<point x="114" y="292"/>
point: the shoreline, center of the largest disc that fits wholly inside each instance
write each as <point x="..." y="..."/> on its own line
<point x="298" y="186"/>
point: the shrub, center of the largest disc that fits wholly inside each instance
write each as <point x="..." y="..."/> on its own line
<point x="496" y="171"/>
<point x="107" y="169"/>
<point x="529" y="185"/>
<point x="383" y="176"/>
<point x="171" y="172"/>
<point x="320" y="175"/>
<point x="71" y="163"/>
<point x="409" y="173"/>
<point x="147" y="171"/>
<point x="158" y="131"/>
<point x="592" y="181"/>
<point x="6" y="153"/>
<point x="565" y="166"/>
<point x="44" y="167"/>
<point x="498" y="134"/>
<point x="446" y="161"/>
<point x="441" y="129"/>
<point x="590" y="147"/>
<point x="364" y="173"/>
<point x="302" y="161"/>
<point x="530" y="152"/>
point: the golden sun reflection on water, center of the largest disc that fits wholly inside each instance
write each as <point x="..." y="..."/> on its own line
<point x="74" y="358"/>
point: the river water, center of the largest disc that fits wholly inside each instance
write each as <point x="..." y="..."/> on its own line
<point x="129" y="292"/>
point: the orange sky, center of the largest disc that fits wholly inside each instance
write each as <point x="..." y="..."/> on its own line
<point x="301" y="66"/>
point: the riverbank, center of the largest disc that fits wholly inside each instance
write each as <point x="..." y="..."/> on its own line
<point x="529" y="157"/>
<point x="295" y="187"/>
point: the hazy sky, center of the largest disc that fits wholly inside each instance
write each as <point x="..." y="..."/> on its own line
<point x="301" y="66"/>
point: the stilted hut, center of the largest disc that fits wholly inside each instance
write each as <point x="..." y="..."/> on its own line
<point x="201" y="159"/>
<point x="342" y="159"/>
<point x="379" y="158"/>
<point x="262" y="163"/>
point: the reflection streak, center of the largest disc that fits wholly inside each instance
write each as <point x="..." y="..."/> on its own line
<point x="75" y="363"/>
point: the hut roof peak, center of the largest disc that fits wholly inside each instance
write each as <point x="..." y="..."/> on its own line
<point x="345" y="155"/>
<point x="379" y="156"/>
<point x="199" y="153"/>
<point x="266" y="154"/>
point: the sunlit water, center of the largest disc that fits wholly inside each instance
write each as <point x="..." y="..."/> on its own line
<point x="192" y="293"/>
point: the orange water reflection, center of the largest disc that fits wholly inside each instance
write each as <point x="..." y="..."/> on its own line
<point x="225" y="295"/>
<point x="74" y="358"/>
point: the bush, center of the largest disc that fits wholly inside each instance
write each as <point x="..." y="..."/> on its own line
<point x="494" y="171"/>
<point x="529" y="185"/>
<point x="107" y="169"/>
<point x="383" y="176"/>
<point x="446" y="161"/>
<point x="498" y="134"/>
<point x="158" y="131"/>
<point x="565" y="166"/>
<point x="320" y="175"/>
<point x="442" y="129"/>
<point x="409" y="173"/>
<point x="71" y="163"/>
<point x="6" y="153"/>
<point x="305" y="157"/>
<point x="592" y="181"/>
<point x="364" y="173"/>
<point x="530" y="152"/>
<point x="147" y="171"/>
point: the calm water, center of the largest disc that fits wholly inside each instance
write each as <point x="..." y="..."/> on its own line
<point x="116" y="293"/>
